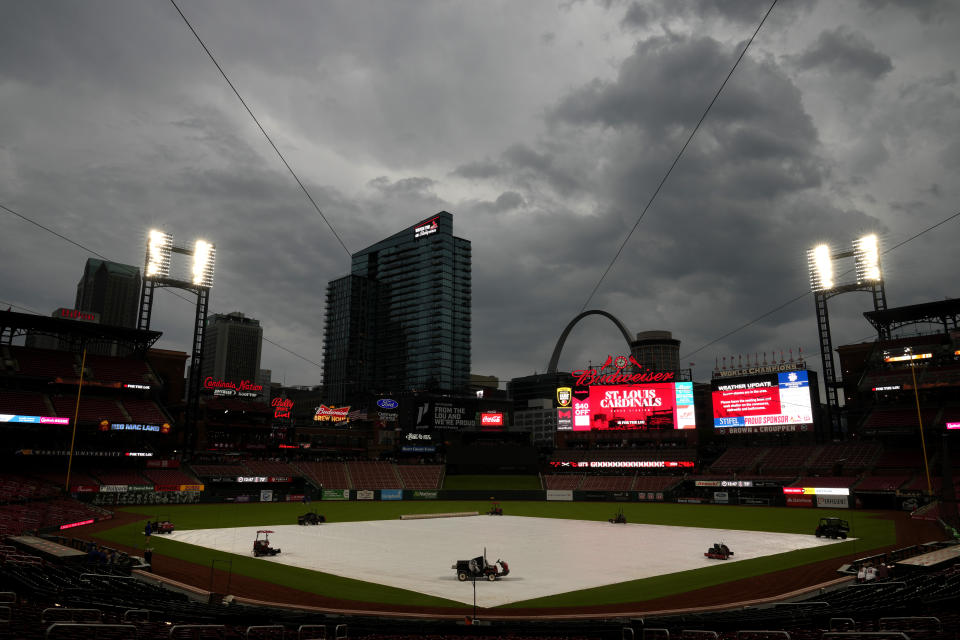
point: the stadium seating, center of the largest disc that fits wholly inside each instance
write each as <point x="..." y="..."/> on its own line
<point x="824" y="481"/>
<point x="899" y="460"/>
<point x="44" y="363"/>
<point x="656" y="483"/>
<point x="169" y="477"/>
<point x="606" y="483"/>
<point x="92" y="408"/>
<point x="373" y="475"/>
<point x="881" y="483"/>
<point x="118" y="476"/>
<point x="274" y="468"/>
<point x="789" y="459"/>
<point x="881" y="418"/>
<point x="329" y="475"/>
<point x="25" y="403"/>
<point x="143" y="411"/>
<point x="219" y="470"/>
<point x="420" y="476"/>
<point x="737" y="459"/>
<point x="110" y="369"/>
<point x="18" y="488"/>
<point x="852" y="457"/>
<point x="563" y="481"/>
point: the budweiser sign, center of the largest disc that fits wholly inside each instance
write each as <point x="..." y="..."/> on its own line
<point x="281" y="407"/>
<point x="591" y="377"/>
<point x="331" y="414"/>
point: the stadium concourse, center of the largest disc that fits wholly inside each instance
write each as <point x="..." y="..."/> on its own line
<point x="546" y="556"/>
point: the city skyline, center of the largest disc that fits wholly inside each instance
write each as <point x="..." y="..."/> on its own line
<point x="544" y="134"/>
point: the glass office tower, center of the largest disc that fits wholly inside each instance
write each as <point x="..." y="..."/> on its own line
<point x="400" y="321"/>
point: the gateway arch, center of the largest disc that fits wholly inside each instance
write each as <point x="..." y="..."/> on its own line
<point x="554" y="359"/>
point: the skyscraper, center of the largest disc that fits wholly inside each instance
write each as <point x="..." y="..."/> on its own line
<point x="401" y="320"/>
<point x="231" y="348"/>
<point x="110" y="289"/>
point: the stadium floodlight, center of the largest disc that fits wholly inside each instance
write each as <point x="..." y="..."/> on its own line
<point x="866" y="255"/>
<point x="159" y="248"/>
<point x="204" y="255"/>
<point x="820" y="264"/>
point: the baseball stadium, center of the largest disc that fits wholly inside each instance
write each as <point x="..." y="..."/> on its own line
<point x="127" y="513"/>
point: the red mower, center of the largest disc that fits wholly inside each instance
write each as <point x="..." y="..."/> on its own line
<point x="261" y="546"/>
<point x="719" y="551"/>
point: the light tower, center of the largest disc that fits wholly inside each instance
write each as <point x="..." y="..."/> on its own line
<point x="197" y="280"/>
<point x="865" y="253"/>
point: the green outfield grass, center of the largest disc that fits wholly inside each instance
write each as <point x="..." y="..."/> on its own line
<point x="871" y="532"/>
<point x="484" y="483"/>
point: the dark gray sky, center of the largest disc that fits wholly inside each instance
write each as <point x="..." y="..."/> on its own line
<point x="543" y="127"/>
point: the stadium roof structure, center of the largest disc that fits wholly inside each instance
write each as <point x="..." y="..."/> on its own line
<point x="14" y="324"/>
<point x="944" y="312"/>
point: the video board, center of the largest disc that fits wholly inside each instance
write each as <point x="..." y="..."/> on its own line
<point x="773" y="399"/>
<point x="640" y="407"/>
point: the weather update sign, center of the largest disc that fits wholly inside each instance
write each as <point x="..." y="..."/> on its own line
<point x="775" y="399"/>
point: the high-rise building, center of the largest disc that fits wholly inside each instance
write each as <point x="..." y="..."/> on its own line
<point x="401" y="320"/>
<point x="110" y="289"/>
<point x="231" y="348"/>
<point x="657" y="350"/>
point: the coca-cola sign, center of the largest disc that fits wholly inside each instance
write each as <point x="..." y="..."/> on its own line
<point x="491" y="419"/>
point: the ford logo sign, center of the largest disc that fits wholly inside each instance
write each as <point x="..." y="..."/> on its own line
<point x="387" y="403"/>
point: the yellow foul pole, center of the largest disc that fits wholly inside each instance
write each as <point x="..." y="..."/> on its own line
<point x="76" y="414"/>
<point x="923" y="442"/>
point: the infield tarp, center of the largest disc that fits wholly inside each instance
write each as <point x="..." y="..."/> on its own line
<point x="547" y="556"/>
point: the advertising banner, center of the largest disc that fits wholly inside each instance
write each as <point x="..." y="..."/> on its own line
<point x="84" y="488"/>
<point x="450" y="416"/>
<point x="833" y="502"/>
<point x="163" y="464"/>
<point x="335" y="494"/>
<point x="691" y="500"/>
<point x="364" y="494"/>
<point x="294" y="497"/>
<point x="775" y="399"/>
<point x="595" y="495"/>
<point x="190" y="487"/>
<point x="391" y="494"/>
<point x="721" y="497"/>
<point x="266" y="495"/>
<point x="424" y="495"/>
<point x="623" y="496"/>
<point x="113" y="488"/>
<point x="565" y="495"/>
<point x="666" y="405"/>
<point x="756" y="501"/>
<point x="139" y="487"/>
<point x="799" y="501"/>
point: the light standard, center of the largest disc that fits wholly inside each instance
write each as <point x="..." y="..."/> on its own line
<point x="820" y="264"/>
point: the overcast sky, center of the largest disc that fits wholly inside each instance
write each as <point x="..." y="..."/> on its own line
<point x="543" y="126"/>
